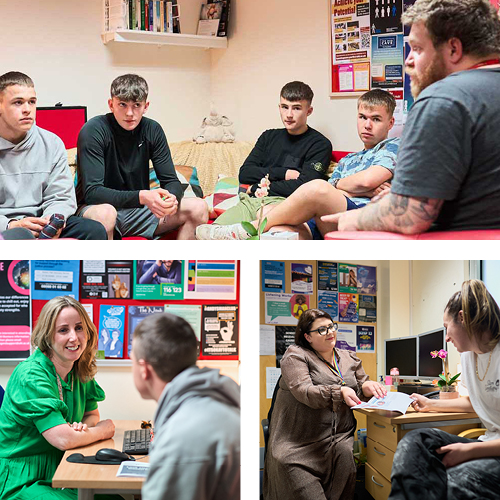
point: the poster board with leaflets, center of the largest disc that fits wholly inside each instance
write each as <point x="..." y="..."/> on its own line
<point x="132" y="310"/>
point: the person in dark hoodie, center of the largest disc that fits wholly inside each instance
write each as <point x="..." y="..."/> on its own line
<point x="195" y="454"/>
<point x="35" y="180"/>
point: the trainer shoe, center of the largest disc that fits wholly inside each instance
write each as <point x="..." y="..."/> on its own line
<point x="219" y="232"/>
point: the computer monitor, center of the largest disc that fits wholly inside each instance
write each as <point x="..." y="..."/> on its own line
<point x="402" y="354"/>
<point x="434" y="340"/>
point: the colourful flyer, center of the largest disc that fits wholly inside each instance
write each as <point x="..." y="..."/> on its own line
<point x="211" y="279"/>
<point x="348" y="307"/>
<point x="302" y="278"/>
<point x="327" y="276"/>
<point x="52" y="278"/>
<point x="365" y="338"/>
<point x="158" y="279"/>
<point x="273" y="276"/>
<point x="111" y="331"/>
<point x="329" y="302"/>
<point x="220" y="330"/>
<point x="367" y="279"/>
<point x="348" y="278"/>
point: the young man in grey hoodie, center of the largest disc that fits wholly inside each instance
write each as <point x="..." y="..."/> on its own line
<point x="35" y="180"/>
<point x="195" y="454"/>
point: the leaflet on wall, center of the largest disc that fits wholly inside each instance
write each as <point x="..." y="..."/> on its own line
<point x="348" y="307"/>
<point x="350" y="31"/>
<point x="279" y="309"/>
<point x="90" y="310"/>
<point x="220" y="330"/>
<point x="158" y="279"/>
<point x="302" y="278"/>
<point x="346" y="337"/>
<point x="191" y="313"/>
<point x="399" y="115"/>
<point x="51" y="278"/>
<point x="385" y="16"/>
<point x="329" y="302"/>
<point x="14" y="309"/>
<point x="327" y="276"/>
<point x="367" y="279"/>
<point x="135" y="315"/>
<point x="273" y="276"/>
<point x="111" y="331"/>
<point x="387" y="61"/>
<point x="267" y="344"/>
<point x="365" y="339"/>
<point x="211" y="279"/>
<point x="367" y="308"/>
<point x="348" y="278"/>
<point x="107" y="279"/>
<point x="285" y="337"/>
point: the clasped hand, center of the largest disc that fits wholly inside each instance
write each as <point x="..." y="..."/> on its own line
<point x="160" y="201"/>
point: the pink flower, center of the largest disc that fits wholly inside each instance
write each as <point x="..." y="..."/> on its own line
<point x="434" y="354"/>
<point x="442" y="354"/>
<point x="265" y="182"/>
<point x="260" y="193"/>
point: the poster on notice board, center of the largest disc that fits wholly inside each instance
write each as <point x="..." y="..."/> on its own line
<point x="52" y="278"/>
<point x="14" y="309"/>
<point x="220" y="330"/>
<point x="107" y="279"/>
<point x="111" y="331"/>
<point x="158" y="279"/>
<point x="135" y="315"/>
<point x="210" y="279"/>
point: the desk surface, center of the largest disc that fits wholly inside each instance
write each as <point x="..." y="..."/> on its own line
<point x="412" y="416"/>
<point x="71" y="475"/>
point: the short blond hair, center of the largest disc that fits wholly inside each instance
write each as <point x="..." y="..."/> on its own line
<point x="43" y="334"/>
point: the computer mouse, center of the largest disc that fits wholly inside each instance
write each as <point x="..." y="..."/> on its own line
<point x="111" y="455"/>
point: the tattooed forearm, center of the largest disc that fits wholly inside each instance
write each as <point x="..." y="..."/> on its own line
<point x="401" y="214"/>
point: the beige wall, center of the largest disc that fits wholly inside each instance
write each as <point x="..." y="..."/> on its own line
<point x="57" y="43"/>
<point x="273" y="42"/>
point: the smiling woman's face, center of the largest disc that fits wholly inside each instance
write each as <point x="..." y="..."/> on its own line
<point x="321" y="343"/>
<point x="70" y="339"/>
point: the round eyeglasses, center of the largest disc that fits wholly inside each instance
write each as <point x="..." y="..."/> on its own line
<point x="323" y="330"/>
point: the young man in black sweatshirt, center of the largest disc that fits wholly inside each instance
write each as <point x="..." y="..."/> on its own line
<point x="114" y="151"/>
<point x="291" y="156"/>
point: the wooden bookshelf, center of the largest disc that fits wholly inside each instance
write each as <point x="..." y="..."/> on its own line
<point x="154" y="38"/>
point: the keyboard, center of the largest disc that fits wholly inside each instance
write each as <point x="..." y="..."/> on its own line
<point x="136" y="442"/>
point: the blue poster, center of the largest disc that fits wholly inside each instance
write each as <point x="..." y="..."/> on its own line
<point x="387" y="61"/>
<point x="273" y="276"/>
<point x="327" y="276"/>
<point x="111" y="331"/>
<point x="51" y="278"/>
<point x="135" y="315"/>
<point x="329" y="302"/>
<point x="365" y="339"/>
<point x="368" y="308"/>
<point x="367" y="279"/>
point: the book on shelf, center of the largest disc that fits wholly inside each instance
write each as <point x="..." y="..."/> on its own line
<point x="160" y="16"/>
<point x="210" y="15"/>
<point x="224" y="18"/>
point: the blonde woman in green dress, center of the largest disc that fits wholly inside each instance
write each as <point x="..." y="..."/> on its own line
<point x="50" y="403"/>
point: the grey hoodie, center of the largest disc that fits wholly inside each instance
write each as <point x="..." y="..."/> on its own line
<point x="196" y="449"/>
<point x="35" y="180"/>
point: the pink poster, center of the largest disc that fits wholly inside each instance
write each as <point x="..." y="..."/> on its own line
<point x="14" y="308"/>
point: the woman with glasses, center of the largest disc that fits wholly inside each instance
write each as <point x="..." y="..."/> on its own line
<point x="311" y="434"/>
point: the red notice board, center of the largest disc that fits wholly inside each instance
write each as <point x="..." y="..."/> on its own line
<point x="64" y="121"/>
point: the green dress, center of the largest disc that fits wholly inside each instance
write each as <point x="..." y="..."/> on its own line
<point x="31" y="406"/>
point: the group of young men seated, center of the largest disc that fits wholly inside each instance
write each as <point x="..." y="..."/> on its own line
<point x="444" y="176"/>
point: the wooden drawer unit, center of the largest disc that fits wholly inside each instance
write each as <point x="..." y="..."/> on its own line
<point x="379" y="457"/>
<point x="376" y="484"/>
<point x="383" y="432"/>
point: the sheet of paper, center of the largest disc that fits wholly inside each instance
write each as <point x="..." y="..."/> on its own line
<point x="267" y="340"/>
<point x="394" y="401"/>
<point x="133" y="469"/>
<point x="272" y="376"/>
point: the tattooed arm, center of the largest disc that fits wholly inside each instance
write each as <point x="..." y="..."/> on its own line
<point x="394" y="212"/>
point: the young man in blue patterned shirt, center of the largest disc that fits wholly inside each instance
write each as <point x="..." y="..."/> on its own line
<point x="357" y="178"/>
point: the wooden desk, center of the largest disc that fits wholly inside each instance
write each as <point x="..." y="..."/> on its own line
<point x="384" y="431"/>
<point x="94" y="478"/>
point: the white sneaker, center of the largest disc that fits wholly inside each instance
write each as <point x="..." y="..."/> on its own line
<point x="218" y="232"/>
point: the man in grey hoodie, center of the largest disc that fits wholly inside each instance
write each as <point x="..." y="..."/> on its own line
<point x="35" y="180"/>
<point x="195" y="454"/>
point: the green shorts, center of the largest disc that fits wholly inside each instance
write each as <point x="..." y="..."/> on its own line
<point x="246" y="209"/>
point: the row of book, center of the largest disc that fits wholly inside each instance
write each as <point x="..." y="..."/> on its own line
<point x="214" y="18"/>
<point x="160" y="16"/>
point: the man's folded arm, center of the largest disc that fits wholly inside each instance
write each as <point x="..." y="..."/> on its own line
<point x="367" y="180"/>
<point x="253" y="169"/>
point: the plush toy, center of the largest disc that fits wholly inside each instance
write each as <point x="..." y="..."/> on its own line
<point x="215" y="128"/>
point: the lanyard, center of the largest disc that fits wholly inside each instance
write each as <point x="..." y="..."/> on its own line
<point x="489" y="62"/>
<point x="59" y="386"/>
<point x="335" y="368"/>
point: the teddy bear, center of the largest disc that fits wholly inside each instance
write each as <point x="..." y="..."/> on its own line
<point x="215" y="128"/>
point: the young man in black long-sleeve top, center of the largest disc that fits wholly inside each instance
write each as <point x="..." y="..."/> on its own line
<point x="291" y="156"/>
<point x="114" y="151"/>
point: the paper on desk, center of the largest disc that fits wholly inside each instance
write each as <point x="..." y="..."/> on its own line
<point x="394" y="401"/>
<point x="133" y="469"/>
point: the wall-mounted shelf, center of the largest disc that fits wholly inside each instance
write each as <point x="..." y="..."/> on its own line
<point x="151" y="37"/>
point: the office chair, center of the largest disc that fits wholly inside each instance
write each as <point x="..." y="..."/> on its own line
<point x="265" y="422"/>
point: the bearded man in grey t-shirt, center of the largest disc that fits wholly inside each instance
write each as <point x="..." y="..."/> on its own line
<point x="448" y="165"/>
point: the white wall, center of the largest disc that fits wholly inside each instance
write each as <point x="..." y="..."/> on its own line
<point x="58" y="44"/>
<point x="271" y="43"/>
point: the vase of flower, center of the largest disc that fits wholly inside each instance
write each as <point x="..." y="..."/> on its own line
<point x="447" y="384"/>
